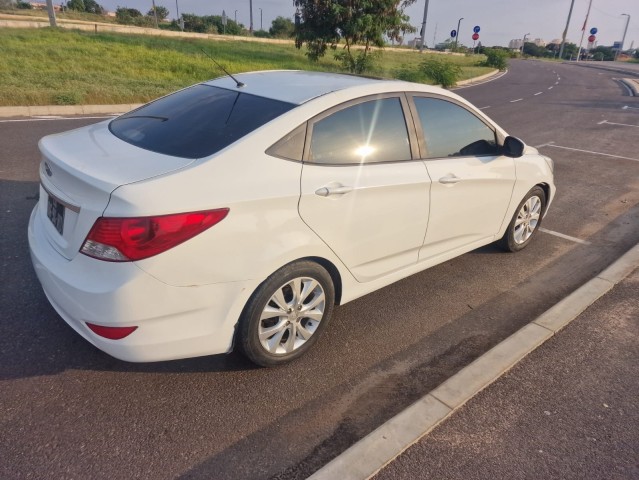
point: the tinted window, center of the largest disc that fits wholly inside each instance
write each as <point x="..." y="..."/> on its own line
<point x="452" y="131"/>
<point x="368" y="132"/>
<point x="290" y="146"/>
<point x="196" y="122"/>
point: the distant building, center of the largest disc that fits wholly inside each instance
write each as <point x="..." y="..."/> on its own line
<point x="517" y="43"/>
<point x="43" y="6"/>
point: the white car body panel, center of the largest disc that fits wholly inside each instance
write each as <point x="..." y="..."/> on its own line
<point x="473" y="208"/>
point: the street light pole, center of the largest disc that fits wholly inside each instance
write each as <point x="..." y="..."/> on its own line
<point x="261" y="26"/>
<point x="623" y="40"/>
<point x="235" y="16"/>
<point x="457" y="36"/>
<point x="421" y="46"/>
<point x="563" y="38"/>
<point x="523" y="43"/>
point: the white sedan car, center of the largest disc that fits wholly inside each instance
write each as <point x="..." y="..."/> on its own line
<point x="238" y="214"/>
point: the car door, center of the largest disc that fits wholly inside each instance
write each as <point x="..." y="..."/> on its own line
<point x="362" y="191"/>
<point x="472" y="182"/>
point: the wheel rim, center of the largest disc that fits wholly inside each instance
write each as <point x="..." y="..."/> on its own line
<point x="527" y="219"/>
<point x="291" y="316"/>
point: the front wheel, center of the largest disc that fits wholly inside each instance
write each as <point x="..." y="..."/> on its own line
<point x="526" y="221"/>
<point x="286" y="314"/>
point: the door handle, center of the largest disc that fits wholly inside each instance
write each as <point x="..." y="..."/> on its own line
<point x="337" y="190"/>
<point x="450" y="178"/>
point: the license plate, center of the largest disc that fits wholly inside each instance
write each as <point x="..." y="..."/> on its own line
<point x="55" y="212"/>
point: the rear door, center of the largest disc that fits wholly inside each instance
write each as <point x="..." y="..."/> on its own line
<point x="472" y="181"/>
<point x="362" y="191"/>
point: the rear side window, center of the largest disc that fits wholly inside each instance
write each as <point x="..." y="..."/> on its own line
<point x="196" y="122"/>
<point x="369" y="132"/>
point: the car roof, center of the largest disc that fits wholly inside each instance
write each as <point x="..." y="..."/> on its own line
<point x="298" y="86"/>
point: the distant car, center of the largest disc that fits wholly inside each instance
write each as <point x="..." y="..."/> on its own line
<point x="222" y="216"/>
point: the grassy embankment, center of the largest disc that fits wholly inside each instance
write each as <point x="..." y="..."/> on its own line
<point x="63" y="67"/>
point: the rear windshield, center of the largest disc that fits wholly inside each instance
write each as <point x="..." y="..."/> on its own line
<point x="196" y="122"/>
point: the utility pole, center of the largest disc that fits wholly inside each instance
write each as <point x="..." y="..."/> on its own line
<point x="251" y="15"/>
<point x="423" y="32"/>
<point x="177" y="10"/>
<point x="563" y="38"/>
<point x="434" y="36"/>
<point x="261" y="24"/>
<point x="583" y="32"/>
<point x="51" y="13"/>
<point x="155" y="14"/>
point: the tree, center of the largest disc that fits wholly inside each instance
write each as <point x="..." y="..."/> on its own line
<point x="77" y="5"/>
<point x="534" y="50"/>
<point x="20" y="5"/>
<point x="161" y="11"/>
<point x="91" y="6"/>
<point x="324" y="23"/>
<point x="210" y="24"/>
<point x="603" y="53"/>
<point x="282" y="27"/>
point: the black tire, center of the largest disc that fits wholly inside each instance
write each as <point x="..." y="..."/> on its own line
<point x="271" y="351"/>
<point x="513" y="239"/>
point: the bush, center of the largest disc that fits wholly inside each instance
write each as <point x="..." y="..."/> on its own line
<point x="23" y="5"/>
<point x="359" y="63"/>
<point x="496" y="59"/>
<point x="441" y="72"/>
<point x="68" y="98"/>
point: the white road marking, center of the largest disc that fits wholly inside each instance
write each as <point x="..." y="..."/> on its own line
<point x="626" y="107"/>
<point x="556" y="83"/>
<point x="552" y="144"/>
<point x="549" y="88"/>
<point x="606" y="122"/>
<point x="538" y="93"/>
<point x="564" y="236"/>
<point x="484" y="108"/>
<point x="518" y="100"/>
<point x="49" y="119"/>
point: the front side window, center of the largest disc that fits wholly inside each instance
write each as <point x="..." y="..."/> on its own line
<point x="196" y="122"/>
<point x="369" y="132"/>
<point x="452" y="131"/>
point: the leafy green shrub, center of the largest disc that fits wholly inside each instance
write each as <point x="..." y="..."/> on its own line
<point x="496" y="59"/>
<point x="23" y="5"/>
<point x="359" y="63"/>
<point x="441" y="72"/>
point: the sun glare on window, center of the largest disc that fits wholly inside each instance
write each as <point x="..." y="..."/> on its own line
<point x="364" y="151"/>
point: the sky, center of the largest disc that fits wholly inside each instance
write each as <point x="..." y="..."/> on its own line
<point x="500" y="20"/>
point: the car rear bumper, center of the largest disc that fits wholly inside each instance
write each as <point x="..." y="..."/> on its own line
<point x="173" y="322"/>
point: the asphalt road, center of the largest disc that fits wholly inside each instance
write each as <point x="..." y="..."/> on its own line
<point x="70" y="411"/>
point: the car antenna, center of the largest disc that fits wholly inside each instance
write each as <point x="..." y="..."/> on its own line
<point x="239" y="84"/>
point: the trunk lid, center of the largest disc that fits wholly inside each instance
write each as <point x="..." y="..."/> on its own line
<point x="78" y="172"/>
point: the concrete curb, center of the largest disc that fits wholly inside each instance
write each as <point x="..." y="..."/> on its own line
<point x="65" y="110"/>
<point x="383" y="445"/>
<point x="632" y="84"/>
<point x="471" y="81"/>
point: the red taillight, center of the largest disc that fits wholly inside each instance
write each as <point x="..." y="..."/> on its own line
<point x="127" y="239"/>
<point x="112" y="333"/>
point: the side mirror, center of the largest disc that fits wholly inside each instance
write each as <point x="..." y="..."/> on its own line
<point x="513" y="147"/>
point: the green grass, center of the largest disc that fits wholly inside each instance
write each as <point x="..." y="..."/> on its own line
<point x="58" y="66"/>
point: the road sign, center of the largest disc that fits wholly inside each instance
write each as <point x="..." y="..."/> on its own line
<point x="453" y="33"/>
<point x="616" y="46"/>
<point x="475" y="36"/>
<point x="224" y="18"/>
<point x="476" y="29"/>
<point x="593" y="31"/>
<point x="592" y="38"/>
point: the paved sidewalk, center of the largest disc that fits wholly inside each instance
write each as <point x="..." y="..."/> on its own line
<point x="568" y="410"/>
